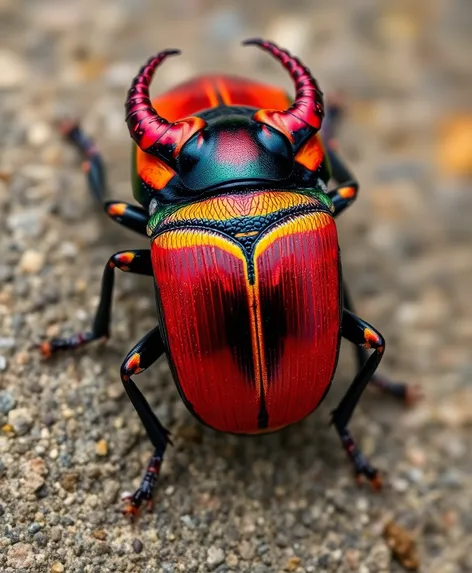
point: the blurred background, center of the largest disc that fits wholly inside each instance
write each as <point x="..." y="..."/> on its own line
<point x="71" y="443"/>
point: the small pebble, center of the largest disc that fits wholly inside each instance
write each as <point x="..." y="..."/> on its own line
<point x="188" y="521"/>
<point x="215" y="556"/>
<point x="40" y="539"/>
<point x="14" y="70"/>
<point x="246" y="550"/>
<point x="21" y="420"/>
<point x="6" y="342"/>
<point x="352" y="558"/>
<point x="56" y="533"/>
<point x="101" y="448"/>
<point x="39" y="133"/>
<point x="33" y="528"/>
<point x="111" y="489"/>
<point x="57" y="567"/>
<point x="20" y="556"/>
<point x="293" y="564"/>
<point x="137" y="545"/>
<point x="99" y="534"/>
<point x="7" y="401"/>
<point x="232" y="560"/>
<point x="32" y="262"/>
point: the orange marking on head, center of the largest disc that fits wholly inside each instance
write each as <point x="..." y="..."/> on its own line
<point x="347" y="192"/>
<point x="111" y="265"/>
<point x="152" y="170"/>
<point x="117" y="209"/>
<point x="272" y="117"/>
<point x="191" y="126"/>
<point x="311" y="154"/>
<point x="371" y="338"/>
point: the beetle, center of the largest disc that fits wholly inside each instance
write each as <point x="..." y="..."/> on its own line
<point x="232" y="181"/>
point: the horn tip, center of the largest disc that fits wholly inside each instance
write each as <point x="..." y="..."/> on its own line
<point x="169" y="52"/>
<point x="253" y="42"/>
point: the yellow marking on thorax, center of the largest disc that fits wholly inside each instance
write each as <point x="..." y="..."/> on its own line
<point x="221" y="208"/>
<point x="249" y="234"/>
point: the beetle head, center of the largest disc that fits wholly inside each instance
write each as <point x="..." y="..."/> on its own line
<point x="209" y="151"/>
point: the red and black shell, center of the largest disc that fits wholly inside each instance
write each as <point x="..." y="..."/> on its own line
<point x="248" y="290"/>
<point x="243" y="242"/>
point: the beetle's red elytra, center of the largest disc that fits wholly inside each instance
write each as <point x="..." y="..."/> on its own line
<point x="232" y="181"/>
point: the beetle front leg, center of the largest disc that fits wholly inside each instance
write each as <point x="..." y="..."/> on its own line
<point x="145" y="353"/>
<point x="362" y="334"/>
<point x="131" y="216"/>
<point x="139" y="262"/>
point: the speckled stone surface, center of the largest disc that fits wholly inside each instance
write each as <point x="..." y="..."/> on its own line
<point x="71" y="442"/>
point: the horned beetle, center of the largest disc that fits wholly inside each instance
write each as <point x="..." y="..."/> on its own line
<point x="232" y="181"/>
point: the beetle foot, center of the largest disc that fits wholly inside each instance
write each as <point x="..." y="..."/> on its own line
<point x="410" y="395"/>
<point x="133" y="503"/>
<point x="413" y="395"/>
<point x="362" y="468"/>
<point x="50" y="347"/>
<point x="371" y="474"/>
<point x="144" y="492"/>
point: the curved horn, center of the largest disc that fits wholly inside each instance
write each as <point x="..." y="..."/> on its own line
<point x="305" y="115"/>
<point x="153" y="133"/>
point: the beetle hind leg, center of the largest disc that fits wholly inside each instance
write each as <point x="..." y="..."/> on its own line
<point x="362" y="467"/>
<point x="361" y="334"/>
<point x="145" y="353"/>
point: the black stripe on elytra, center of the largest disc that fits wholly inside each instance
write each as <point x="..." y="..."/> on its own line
<point x="274" y="328"/>
<point x="236" y="332"/>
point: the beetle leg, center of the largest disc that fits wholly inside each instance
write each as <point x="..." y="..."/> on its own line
<point x="405" y="392"/>
<point x="139" y="262"/>
<point x="145" y="353"/>
<point x="362" y="334"/>
<point x="343" y="195"/>
<point x="131" y="216"/>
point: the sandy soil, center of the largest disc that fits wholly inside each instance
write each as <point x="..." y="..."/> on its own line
<point x="71" y="442"/>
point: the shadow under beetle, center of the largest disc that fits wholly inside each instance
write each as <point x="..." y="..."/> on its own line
<point x="232" y="181"/>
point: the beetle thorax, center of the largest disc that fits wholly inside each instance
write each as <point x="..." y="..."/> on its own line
<point x="234" y="149"/>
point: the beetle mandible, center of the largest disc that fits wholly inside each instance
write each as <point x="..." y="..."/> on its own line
<point x="232" y="181"/>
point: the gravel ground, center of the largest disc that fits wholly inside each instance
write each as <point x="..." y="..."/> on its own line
<point x="70" y="441"/>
